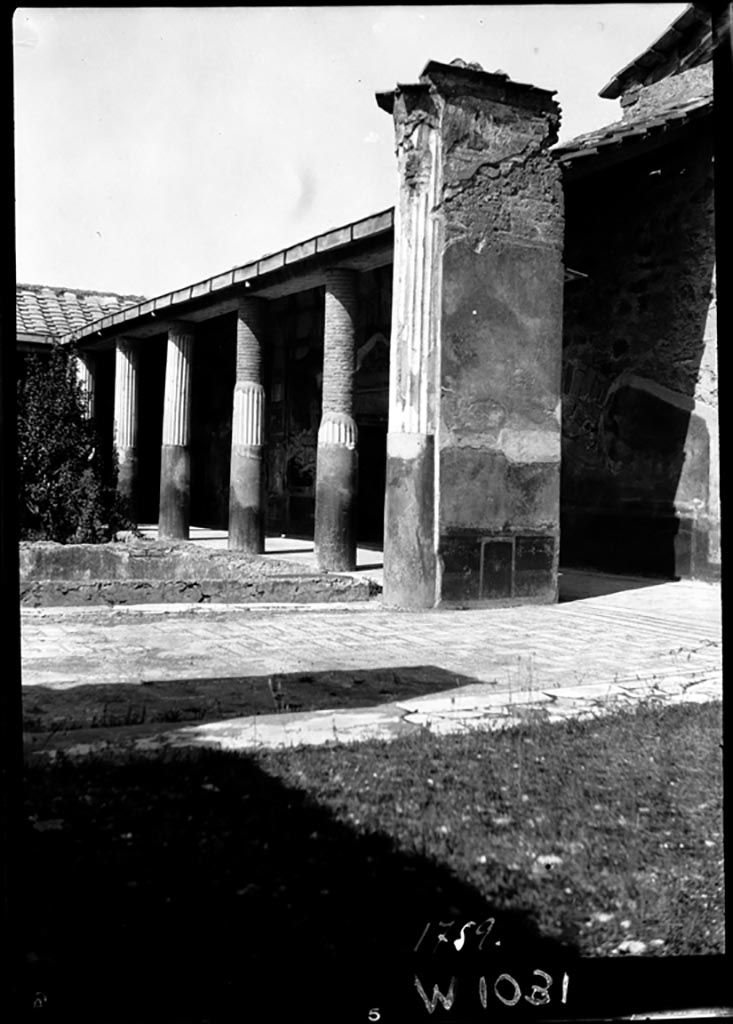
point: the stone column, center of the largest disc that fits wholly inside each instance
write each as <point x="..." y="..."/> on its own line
<point x="85" y="370"/>
<point x="337" y="459"/>
<point x="126" y="420"/>
<point x="410" y="507"/>
<point x="473" y="449"/>
<point x="175" y="458"/>
<point x="247" y="489"/>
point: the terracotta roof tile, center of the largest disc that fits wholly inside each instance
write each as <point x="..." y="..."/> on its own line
<point x="41" y="309"/>
<point x="623" y="131"/>
<point x="686" y="43"/>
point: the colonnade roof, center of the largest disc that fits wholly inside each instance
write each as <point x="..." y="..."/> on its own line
<point x="360" y="245"/>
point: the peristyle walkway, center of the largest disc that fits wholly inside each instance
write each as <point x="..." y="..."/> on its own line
<point x="609" y="641"/>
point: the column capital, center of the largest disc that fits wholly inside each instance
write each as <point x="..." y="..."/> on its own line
<point x="463" y="80"/>
<point x="480" y="124"/>
<point x="337" y="273"/>
<point x="247" y="301"/>
<point x="126" y="345"/>
<point x="178" y="328"/>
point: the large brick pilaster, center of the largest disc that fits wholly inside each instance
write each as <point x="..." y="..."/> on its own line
<point x="473" y="450"/>
<point x="337" y="459"/>
<point x="175" y="458"/>
<point x="246" y="489"/>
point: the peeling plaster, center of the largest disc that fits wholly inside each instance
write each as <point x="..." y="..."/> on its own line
<point x="527" y="446"/>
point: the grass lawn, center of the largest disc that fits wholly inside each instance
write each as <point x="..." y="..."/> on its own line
<point x="198" y="876"/>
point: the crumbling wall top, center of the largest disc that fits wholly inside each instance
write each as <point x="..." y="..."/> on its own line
<point x="461" y="78"/>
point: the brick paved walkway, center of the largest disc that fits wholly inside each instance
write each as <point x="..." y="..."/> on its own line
<point x="663" y="639"/>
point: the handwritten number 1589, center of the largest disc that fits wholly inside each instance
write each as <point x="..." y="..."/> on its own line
<point x="482" y="932"/>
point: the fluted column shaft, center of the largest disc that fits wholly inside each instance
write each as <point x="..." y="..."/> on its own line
<point x="175" y="461"/>
<point x="337" y="459"/>
<point x="247" y="487"/>
<point x="410" y="564"/>
<point x="86" y="373"/>
<point x="126" y="420"/>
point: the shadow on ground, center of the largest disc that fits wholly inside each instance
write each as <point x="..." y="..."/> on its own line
<point x="59" y="716"/>
<point x="577" y="585"/>
<point x="201" y="887"/>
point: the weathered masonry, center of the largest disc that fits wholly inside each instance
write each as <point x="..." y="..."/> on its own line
<point x="473" y="449"/>
<point x="640" y="466"/>
<point x="516" y="366"/>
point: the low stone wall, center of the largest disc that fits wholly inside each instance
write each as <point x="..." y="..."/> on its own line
<point x="159" y="573"/>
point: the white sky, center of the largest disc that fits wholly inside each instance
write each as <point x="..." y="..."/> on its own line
<point x="155" y="147"/>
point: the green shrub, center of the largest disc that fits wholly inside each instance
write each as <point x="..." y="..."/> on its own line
<point x="67" y="487"/>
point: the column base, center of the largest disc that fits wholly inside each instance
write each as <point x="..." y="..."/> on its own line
<point x="175" y="492"/>
<point x="246" y="500"/>
<point x="335" y="528"/>
<point x="410" y="560"/>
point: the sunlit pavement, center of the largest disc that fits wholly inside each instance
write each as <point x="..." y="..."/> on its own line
<point x="610" y="642"/>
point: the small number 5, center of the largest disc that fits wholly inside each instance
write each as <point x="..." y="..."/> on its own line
<point x="374" y="1014"/>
